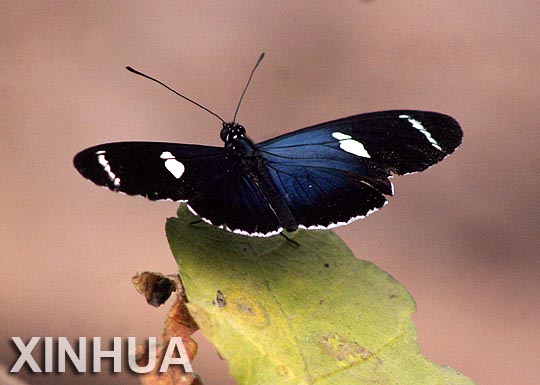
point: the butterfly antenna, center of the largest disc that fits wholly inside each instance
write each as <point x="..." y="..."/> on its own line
<point x="177" y="93"/>
<point x="246" y="87"/>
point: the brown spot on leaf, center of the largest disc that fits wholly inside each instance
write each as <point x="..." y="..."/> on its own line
<point x="247" y="308"/>
<point x="344" y="350"/>
<point x="220" y="300"/>
<point x="244" y="308"/>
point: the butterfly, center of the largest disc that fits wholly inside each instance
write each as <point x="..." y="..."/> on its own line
<point x="318" y="177"/>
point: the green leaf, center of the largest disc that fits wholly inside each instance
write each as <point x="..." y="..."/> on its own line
<point x="312" y="314"/>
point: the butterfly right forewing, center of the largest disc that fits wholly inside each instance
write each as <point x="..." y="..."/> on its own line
<point x="335" y="172"/>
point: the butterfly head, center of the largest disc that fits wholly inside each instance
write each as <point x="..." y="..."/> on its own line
<point x="232" y="132"/>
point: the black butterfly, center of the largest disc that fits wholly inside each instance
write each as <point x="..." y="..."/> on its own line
<point x="318" y="177"/>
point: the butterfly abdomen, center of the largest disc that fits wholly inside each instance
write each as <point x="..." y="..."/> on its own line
<point x="255" y="169"/>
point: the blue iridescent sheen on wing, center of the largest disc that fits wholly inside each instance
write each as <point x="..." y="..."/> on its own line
<point x="338" y="171"/>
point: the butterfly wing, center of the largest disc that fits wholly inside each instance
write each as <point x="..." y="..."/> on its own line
<point x="237" y="205"/>
<point x="336" y="172"/>
<point x="211" y="180"/>
<point x="155" y="170"/>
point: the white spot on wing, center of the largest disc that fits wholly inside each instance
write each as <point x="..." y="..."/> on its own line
<point x="341" y="136"/>
<point x="107" y="167"/>
<point x="280" y="229"/>
<point x="237" y="231"/>
<point x="347" y="143"/>
<point x="418" y="125"/>
<point x="173" y="165"/>
<point x="166" y="155"/>
<point x="338" y="224"/>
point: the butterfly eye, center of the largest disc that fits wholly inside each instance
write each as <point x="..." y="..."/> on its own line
<point x="225" y="131"/>
<point x="239" y="131"/>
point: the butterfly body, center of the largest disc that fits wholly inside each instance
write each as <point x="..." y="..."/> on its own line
<point x="245" y="152"/>
<point x="318" y="177"/>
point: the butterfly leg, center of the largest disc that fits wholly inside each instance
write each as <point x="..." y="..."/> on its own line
<point x="289" y="239"/>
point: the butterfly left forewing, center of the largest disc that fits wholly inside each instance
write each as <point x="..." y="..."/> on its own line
<point x="155" y="170"/>
<point x="208" y="178"/>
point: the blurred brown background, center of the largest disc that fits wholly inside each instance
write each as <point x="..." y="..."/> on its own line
<point x="461" y="237"/>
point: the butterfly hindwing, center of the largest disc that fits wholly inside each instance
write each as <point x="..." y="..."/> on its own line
<point x="325" y="197"/>
<point x="238" y="205"/>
